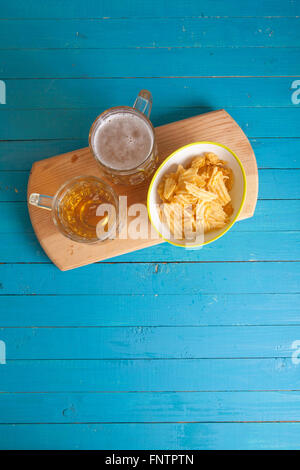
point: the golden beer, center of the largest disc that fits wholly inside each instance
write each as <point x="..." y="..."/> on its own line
<point x="77" y="208"/>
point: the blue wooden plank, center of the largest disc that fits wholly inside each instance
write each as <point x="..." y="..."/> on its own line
<point x="273" y="184"/>
<point x="185" y="436"/>
<point x="75" y="123"/>
<point x="150" y="407"/>
<point x="157" y="8"/>
<point x="169" y="62"/>
<point x="13" y="186"/>
<point x="152" y="278"/>
<point x="172" y="91"/>
<point x="149" y="375"/>
<point x="15" y="218"/>
<point x="162" y="310"/>
<point x="20" y="155"/>
<point x="22" y="248"/>
<point x="151" y="32"/>
<point x="249" y="246"/>
<point x="270" y="216"/>
<point x="271" y="179"/>
<point x="21" y="244"/>
<point x="150" y="342"/>
<point x="276" y="153"/>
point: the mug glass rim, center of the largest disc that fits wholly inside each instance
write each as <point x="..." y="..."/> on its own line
<point x="115" y="109"/>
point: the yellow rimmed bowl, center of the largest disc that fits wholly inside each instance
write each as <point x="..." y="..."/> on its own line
<point x="183" y="156"/>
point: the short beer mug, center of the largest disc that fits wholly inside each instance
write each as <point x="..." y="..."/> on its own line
<point x="122" y="140"/>
<point x="84" y="209"/>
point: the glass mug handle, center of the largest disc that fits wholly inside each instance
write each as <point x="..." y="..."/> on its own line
<point x="143" y="102"/>
<point x="41" y="200"/>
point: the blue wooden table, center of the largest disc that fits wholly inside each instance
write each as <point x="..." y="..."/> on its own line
<point x="162" y="348"/>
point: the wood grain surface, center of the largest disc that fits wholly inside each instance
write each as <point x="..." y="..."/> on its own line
<point x="48" y="175"/>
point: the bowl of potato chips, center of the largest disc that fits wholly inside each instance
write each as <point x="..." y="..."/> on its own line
<point x="197" y="194"/>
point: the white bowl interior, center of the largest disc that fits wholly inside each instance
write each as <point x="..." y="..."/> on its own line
<point x="184" y="156"/>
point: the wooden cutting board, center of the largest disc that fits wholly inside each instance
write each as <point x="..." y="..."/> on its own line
<point x="48" y="175"/>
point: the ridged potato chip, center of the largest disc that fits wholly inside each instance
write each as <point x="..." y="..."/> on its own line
<point x="198" y="196"/>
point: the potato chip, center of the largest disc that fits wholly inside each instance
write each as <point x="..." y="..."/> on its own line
<point x="197" y="198"/>
<point x="169" y="188"/>
<point x="229" y="173"/>
<point x="212" y="159"/>
<point x="198" y="162"/>
<point x="217" y="186"/>
<point x="228" y="209"/>
<point x="200" y="193"/>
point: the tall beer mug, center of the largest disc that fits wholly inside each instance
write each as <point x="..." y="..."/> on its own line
<point x="122" y="140"/>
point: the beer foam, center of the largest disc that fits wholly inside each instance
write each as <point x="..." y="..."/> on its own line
<point x="122" y="140"/>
